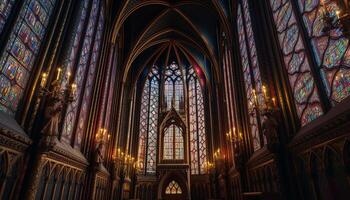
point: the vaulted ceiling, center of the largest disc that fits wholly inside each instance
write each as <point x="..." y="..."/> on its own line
<point x="156" y="31"/>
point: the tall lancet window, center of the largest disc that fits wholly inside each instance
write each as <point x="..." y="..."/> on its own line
<point x="252" y="78"/>
<point x="81" y="75"/>
<point x="173" y="143"/>
<point x="22" y="48"/>
<point x="147" y="155"/>
<point x="198" y="146"/>
<point x="167" y="85"/>
<point x="173" y="88"/>
<point x="297" y="62"/>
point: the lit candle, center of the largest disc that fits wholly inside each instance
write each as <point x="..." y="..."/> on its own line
<point x="68" y="76"/>
<point x="274" y="101"/>
<point x="43" y="79"/>
<point x="74" y="88"/>
<point x="264" y="91"/>
<point x="337" y="13"/>
<point x="109" y="136"/>
<point x="59" y="70"/>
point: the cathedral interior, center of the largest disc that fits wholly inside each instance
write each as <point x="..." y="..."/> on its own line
<point x="175" y="99"/>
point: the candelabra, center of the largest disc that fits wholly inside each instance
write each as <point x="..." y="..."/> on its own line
<point x="124" y="162"/>
<point x="335" y="19"/>
<point x="55" y="103"/>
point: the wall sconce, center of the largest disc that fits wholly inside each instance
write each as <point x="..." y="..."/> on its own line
<point x="217" y="154"/>
<point x="335" y="19"/>
<point x="100" y="135"/>
<point x="209" y="166"/>
<point x="270" y="104"/>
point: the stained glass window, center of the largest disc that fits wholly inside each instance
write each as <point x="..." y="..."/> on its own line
<point x="85" y="105"/>
<point x="148" y="130"/>
<point x="251" y="72"/>
<point x="170" y="87"/>
<point x="173" y="188"/>
<point x="153" y="124"/>
<point x="80" y="74"/>
<point x="21" y="50"/>
<point x="229" y="99"/>
<point x="306" y="96"/>
<point x="198" y="148"/>
<point x="143" y="126"/>
<point x="5" y="10"/>
<point x="173" y="88"/>
<point x="173" y="143"/>
<point x="331" y="50"/>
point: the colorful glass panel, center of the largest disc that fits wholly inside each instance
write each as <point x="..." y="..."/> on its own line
<point x="306" y="96"/>
<point x="198" y="145"/>
<point x="331" y="50"/>
<point x="143" y="127"/>
<point x="153" y="125"/>
<point x="173" y="88"/>
<point x="173" y="146"/>
<point x="168" y="143"/>
<point x="21" y="50"/>
<point x="5" y="10"/>
<point x="173" y="188"/>
<point x="202" y="142"/>
<point x="81" y="74"/>
<point x="173" y="143"/>
<point x="85" y="105"/>
<point x="193" y="124"/>
<point x="248" y="80"/>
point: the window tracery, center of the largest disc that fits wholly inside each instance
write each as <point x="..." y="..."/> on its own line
<point x="173" y="143"/>
<point x="81" y="73"/>
<point x="173" y="188"/>
<point x="251" y="72"/>
<point x="305" y="91"/>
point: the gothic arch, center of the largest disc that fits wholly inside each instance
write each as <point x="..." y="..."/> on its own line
<point x="179" y="177"/>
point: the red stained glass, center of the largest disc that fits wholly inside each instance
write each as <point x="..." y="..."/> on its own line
<point x="302" y="82"/>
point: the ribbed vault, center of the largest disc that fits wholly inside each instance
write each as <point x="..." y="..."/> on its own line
<point x="186" y="30"/>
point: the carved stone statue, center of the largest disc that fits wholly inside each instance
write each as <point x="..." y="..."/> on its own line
<point x="270" y="128"/>
<point x="98" y="156"/>
<point x="53" y="109"/>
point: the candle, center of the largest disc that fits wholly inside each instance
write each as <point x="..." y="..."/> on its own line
<point x="264" y="91"/>
<point x="337" y="13"/>
<point x="68" y="76"/>
<point x="274" y="101"/>
<point x="109" y="136"/>
<point x="58" y="73"/>
<point x="43" y="79"/>
<point x="74" y="88"/>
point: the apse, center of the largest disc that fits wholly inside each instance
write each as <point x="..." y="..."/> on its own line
<point x="174" y="99"/>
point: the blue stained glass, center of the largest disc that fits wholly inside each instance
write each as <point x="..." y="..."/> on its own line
<point x="35" y="24"/>
<point x="21" y="53"/>
<point x="38" y="11"/>
<point x="21" y="49"/>
<point x="28" y="38"/>
<point x="5" y="10"/>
